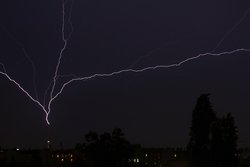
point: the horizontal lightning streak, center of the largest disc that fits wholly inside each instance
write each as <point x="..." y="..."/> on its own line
<point x="146" y="68"/>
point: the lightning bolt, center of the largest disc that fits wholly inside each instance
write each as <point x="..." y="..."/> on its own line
<point x="147" y="68"/>
<point x="52" y="85"/>
<point x="65" y="43"/>
<point x="23" y="90"/>
<point x="237" y="24"/>
<point x="12" y="37"/>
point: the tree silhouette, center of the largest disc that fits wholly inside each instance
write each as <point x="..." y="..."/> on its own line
<point x="199" y="144"/>
<point x="224" y="142"/>
<point x="107" y="149"/>
<point x="213" y="140"/>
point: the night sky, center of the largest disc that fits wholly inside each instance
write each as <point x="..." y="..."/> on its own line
<point x="154" y="107"/>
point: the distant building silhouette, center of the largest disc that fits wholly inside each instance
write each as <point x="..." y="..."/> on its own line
<point x="142" y="157"/>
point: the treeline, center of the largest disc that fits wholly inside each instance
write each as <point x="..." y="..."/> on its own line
<point x="212" y="143"/>
<point x="107" y="149"/>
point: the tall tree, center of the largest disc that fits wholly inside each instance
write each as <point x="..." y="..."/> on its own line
<point x="199" y="144"/>
<point x="224" y="142"/>
<point x="213" y="140"/>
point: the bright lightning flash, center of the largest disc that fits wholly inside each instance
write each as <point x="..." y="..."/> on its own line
<point x="53" y="84"/>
